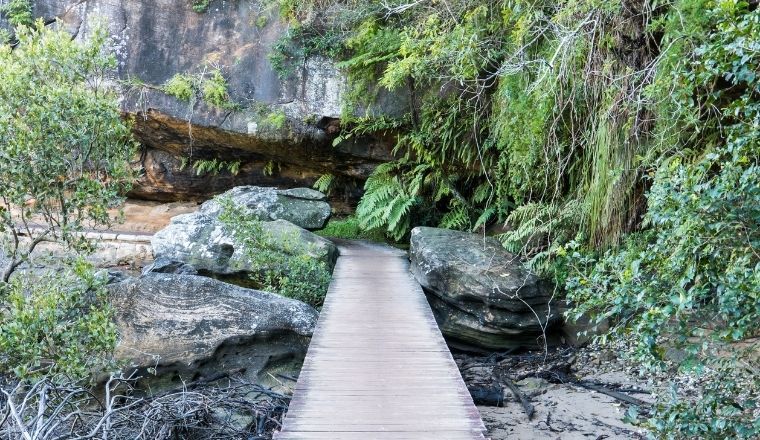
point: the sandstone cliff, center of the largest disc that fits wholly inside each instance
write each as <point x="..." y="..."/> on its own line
<point x="156" y="40"/>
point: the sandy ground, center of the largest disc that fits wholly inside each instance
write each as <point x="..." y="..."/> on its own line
<point x="565" y="412"/>
<point x="563" y="409"/>
<point x="145" y="217"/>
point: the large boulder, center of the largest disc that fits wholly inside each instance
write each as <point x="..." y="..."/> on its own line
<point x="303" y="207"/>
<point x="481" y="295"/>
<point x="175" y="328"/>
<point x="203" y="241"/>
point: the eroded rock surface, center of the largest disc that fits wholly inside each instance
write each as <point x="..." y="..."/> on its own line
<point x="481" y="295"/>
<point x="185" y="328"/>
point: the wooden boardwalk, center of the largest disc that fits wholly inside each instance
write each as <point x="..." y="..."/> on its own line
<point x="378" y="367"/>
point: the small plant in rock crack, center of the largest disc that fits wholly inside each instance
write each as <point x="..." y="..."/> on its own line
<point x="200" y="6"/>
<point x="283" y="263"/>
<point x="210" y="85"/>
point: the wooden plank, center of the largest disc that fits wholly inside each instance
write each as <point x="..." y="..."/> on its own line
<point x="378" y="367"/>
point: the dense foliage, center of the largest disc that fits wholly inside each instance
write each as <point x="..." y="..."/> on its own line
<point x="282" y="264"/>
<point x="616" y="140"/>
<point x="57" y="326"/>
<point x="692" y="279"/>
<point x="64" y="161"/>
<point x="64" y="148"/>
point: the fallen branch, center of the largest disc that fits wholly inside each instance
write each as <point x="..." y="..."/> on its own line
<point x="614" y="394"/>
<point x="566" y="378"/>
<point x="527" y="406"/>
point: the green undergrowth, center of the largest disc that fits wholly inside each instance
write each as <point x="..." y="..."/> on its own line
<point x="618" y="143"/>
<point x="56" y="326"/>
<point x="282" y="263"/>
<point x="350" y="229"/>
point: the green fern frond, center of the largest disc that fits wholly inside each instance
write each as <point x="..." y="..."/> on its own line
<point x="482" y="193"/>
<point x="324" y="183"/>
<point x="486" y="216"/>
<point x="457" y="218"/>
<point x="538" y="226"/>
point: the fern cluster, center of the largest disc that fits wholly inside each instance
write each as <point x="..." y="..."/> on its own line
<point x="209" y="85"/>
<point x="386" y="203"/>
<point x="213" y="166"/>
<point x="539" y="230"/>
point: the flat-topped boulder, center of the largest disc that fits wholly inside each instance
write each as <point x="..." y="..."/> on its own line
<point x="186" y="327"/>
<point x="482" y="296"/>
<point x="205" y="242"/>
<point x="303" y="207"/>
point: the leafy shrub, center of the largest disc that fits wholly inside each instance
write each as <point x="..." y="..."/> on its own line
<point x="57" y="326"/>
<point x="64" y="147"/>
<point x="283" y="265"/>
<point x="64" y="161"/>
<point x="18" y="12"/>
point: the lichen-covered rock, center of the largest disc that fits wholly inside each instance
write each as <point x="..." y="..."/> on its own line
<point x="202" y="240"/>
<point x="483" y="298"/>
<point x="303" y="207"/>
<point x="175" y="328"/>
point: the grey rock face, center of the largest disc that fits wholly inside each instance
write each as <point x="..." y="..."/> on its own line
<point x="189" y="327"/>
<point x="203" y="241"/>
<point x="114" y="276"/>
<point x="165" y="265"/>
<point x="481" y="295"/>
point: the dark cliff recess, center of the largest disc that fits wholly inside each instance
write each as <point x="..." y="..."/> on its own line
<point x="167" y="148"/>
